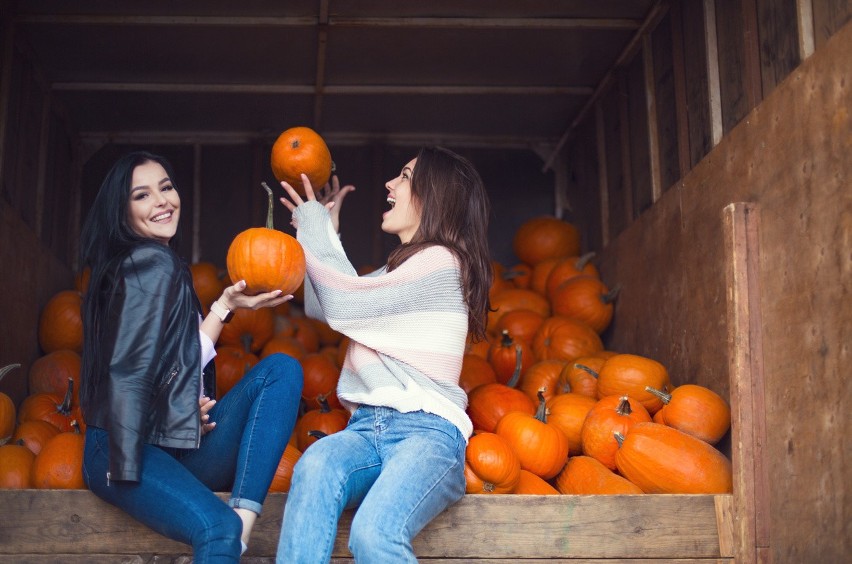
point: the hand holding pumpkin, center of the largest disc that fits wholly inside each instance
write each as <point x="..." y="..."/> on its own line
<point x="234" y="297"/>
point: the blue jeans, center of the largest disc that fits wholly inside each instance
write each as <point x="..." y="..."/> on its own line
<point x="174" y="495"/>
<point x="402" y="469"/>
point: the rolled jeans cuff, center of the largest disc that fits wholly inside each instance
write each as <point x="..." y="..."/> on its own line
<point x="239" y="503"/>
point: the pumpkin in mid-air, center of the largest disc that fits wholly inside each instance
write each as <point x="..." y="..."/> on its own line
<point x="301" y="150"/>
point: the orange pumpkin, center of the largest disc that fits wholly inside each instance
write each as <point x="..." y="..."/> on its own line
<point x="488" y="403"/>
<point x="285" y="345"/>
<point x="51" y="372"/>
<point x="521" y="324"/>
<point x="566" y="339"/>
<point x="695" y="410"/>
<point x="491" y="466"/>
<point x="542" y="375"/>
<point x="284" y="472"/>
<point x="205" y="279"/>
<point x="581" y="376"/>
<point x="232" y="363"/>
<point x="611" y="415"/>
<point x="59" y="465"/>
<point x="661" y="459"/>
<point x="541" y="447"/>
<point x="34" y="434"/>
<point x="327" y="335"/>
<point x="583" y="475"/>
<point x="568" y="268"/>
<point x="505" y="353"/>
<point x="530" y="484"/>
<point x="568" y="412"/>
<point x="514" y="299"/>
<point x="267" y="259"/>
<point x="60" y="324"/>
<point x="545" y="237"/>
<point x="16" y="463"/>
<point x="301" y="150"/>
<point x="540" y="274"/>
<point x="324" y="419"/>
<point x="475" y="371"/>
<point x="320" y="376"/>
<point x="585" y="298"/>
<point x="7" y="409"/>
<point x="479" y="348"/>
<point x="520" y="275"/>
<point x="631" y="375"/>
<point x="249" y="329"/>
<point x="55" y="409"/>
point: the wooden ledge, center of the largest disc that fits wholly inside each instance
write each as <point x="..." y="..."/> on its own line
<point x="75" y="526"/>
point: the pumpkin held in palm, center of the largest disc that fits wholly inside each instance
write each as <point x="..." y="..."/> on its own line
<point x="267" y="259"/>
<point x="301" y="150"/>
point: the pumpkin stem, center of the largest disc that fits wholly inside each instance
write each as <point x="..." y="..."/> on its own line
<point x="317" y="434"/>
<point x="610" y="296"/>
<point x="506" y="339"/>
<point x="619" y="438"/>
<point x="541" y="413"/>
<point x="6" y="369"/>
<point x="516" y="375"/>
<point x="585" y="368"/>
<point x="660" y="394"/>
<point x="583" y="261"/>
<point x="75" y="426"/>
<point x="324" y="407"/>
<point x="487" y="487"/>
<point x="246" y="339"/>
<point x="624" y="406"/>
<point x="270" y="207"/>
<point x="65" y="407"/>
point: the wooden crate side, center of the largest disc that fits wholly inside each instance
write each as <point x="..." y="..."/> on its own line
<point x="51" y="522"/>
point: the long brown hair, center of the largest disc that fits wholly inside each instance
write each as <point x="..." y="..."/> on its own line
<point x="454" y="213"/>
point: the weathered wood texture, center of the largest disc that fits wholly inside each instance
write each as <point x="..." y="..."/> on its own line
<point x="78" y="525"/>
<point x="790" y="156"/>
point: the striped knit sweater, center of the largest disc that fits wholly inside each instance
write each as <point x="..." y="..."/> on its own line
<point x="407" y="327"/>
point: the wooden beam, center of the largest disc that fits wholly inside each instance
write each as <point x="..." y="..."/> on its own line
<point x="713" y="82"/>
<point x="319" y="81"/>
<point x="653" y="129"/>
<point x="655" y="14"/>
<point x="5" y="85"/>
<point x="603" y="182"/>
<point x="626" y="159"/>
<point x="681" y="104"/>
<point x="805" y="12"/>
<point x="752" y="83"/>
<point x="43" y="153"/>
<point x="333" y="90"/>
<point x="490" y="23"/>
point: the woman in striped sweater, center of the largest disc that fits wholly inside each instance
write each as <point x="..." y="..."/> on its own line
<point x="401" y="458"/>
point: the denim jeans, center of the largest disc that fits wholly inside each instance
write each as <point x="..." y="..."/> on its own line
<point x="400" y="469"/>
<point x="174" y="495"/>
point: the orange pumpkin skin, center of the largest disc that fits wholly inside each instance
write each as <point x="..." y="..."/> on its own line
<point x="545" y="237"/>
<point x="320" y="377"/>
<point x="284" y="472"/>
<point x="55" y="409"/>
<point x="629" y="375"/>
<point x="566" y="339"/>
<point x="205" y="280"/>
<point x="585" y="298"/>
<point x="568" y="412"/>
<point x="491" y="466"/>
<point x="541" y="447"/>
<point x="301" y="150"/>
<point x="521" y="324"/>
<point x="520" y="275"/>
<point x="34" y="434"/>
<point x="489" y="403"/>
<point x="60" y="324"/>
<point x="568" y="268"/>
<point x="583" y="475"/>
<point x="612" y="414"/>
<point x="515" y="299"/>
<point x="8" y="413"/>
<point x="324" y="419"/>
<point x="503" y="356"/>
<point x="232" y="363"/>
<point x="249" y="329"/>
<point x="542" y="375"/>
<point x="581" y="376"/>
<point x="59" y="465"/>
<point x="530" y="484"/>
<point x="697" y="411"/>
<point x="16" y="463"/>
<point x="50" y="373"/>
<point x="661" y="459"/>
<point x="284" y="345"/>
<point x="475" y="371"/>
<point x="267" y="260"/>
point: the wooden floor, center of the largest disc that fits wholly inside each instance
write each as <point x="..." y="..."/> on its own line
<point x="53" y="526"/>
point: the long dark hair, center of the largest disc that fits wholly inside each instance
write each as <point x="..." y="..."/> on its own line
<point x="454" y="213"/>
<point x="106" y="238"/>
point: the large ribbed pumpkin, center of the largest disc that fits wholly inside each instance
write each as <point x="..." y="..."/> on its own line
<point x="631" y="375"/>
<point x="585" y="298"/>
<point x="545" y="237"/>
<point x="566" y="339"/>
<point x="491" y="466"/>
<point x="660" y="459"/>
<point x="267" y="259"/>
<point x="301" y="150"/>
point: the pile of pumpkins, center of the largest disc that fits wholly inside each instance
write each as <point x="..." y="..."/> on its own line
<point x="553" y="411"/>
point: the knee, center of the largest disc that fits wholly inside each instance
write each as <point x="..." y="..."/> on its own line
<point x="218" y="533"/>
<point x="372" y="541"/>
<point x="284" y="370"/>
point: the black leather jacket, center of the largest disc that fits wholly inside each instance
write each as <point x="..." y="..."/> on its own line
<point x="150" y="342"/>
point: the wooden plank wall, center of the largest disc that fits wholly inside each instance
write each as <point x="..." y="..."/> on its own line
<point x="788" y="156"/>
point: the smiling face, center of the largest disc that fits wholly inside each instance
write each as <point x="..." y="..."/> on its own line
<point x="403" y="219"/>
<point x="154" y="208"/>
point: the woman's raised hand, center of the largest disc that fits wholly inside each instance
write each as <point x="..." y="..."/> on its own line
<point x="331" y="196"/>
<point x="233" y="298"/>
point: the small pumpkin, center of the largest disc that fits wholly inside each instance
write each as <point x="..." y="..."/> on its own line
<point x="16" y="463"/>
<point x="59" y="465"/>
<point x="504" y="354"/>
<point x="568" y="268"/>
<point x="8" y="413"/>
<point x="475" y="371"/>
<point x="284" y="472"/>
<point x="232" y="363"/>
<point x="60" y="325"/>
<point x="320" y="376"/>
<point x="491" y="466"/>
<point x="545" y="237"/>
<point x="55" y="409"/>
<point x="585" y="298"/>
<point x="300" y="150"/>
<point x="249" y="329"/>
<point x="520" y="275"/>
<point x="566" y="339"/>
<point x="541" y="447"/>
<point x="324" y="419"/>
<point x="34" y="434"/>
<point x="521" y="324"/>
<point x="568" y="412"/>
<point x="542" y="375"/>
<point x="513" y="299"/>
<point x="488" y="403"/>
<point x="631" y="375"/>
<point x="661" y="459"/>
<point x="581" y="376"/>
<point x="205" y="279"/>
<point x="50" y="373"/>
<point x="285" y="345"/>
<point x="530" y="484"/>
<point x="583" y="475"/>
<point x="695" y="410"/>
<point x="611" y="415"/>
<point x="267" y="259"/>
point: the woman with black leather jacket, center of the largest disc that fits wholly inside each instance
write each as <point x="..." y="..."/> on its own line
<point x="157" y="442"/>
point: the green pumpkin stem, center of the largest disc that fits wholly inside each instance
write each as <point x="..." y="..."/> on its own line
<point x="269" y="224"/>
<point x="619" y="438"/>
<point x="609" y="297"/>
<point x="516" y="375"/>
<point x="65" y="408"/>
<point x="6" y="369"/>
<point x="585" y="368"/>
<point x="583" y="261"/>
